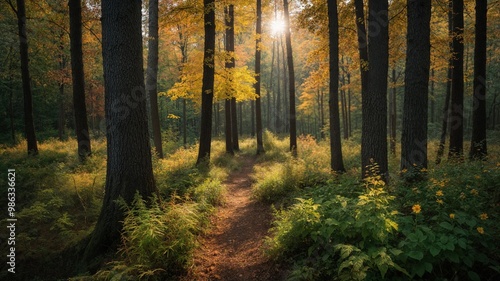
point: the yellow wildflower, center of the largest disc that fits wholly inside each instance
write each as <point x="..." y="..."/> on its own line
<point x="483" y="216"/>
<point x="452" y="216"/>
<point x="439" y="193"/>
<point x="477" y="177"/>
<point x="474" y="192"/>
<point x="416" y="208"/>
<point x="480" y="230"/>
<point x="439" y="201"/>
<point x="404" y="171"/>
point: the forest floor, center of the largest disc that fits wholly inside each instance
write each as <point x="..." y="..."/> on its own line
<point x="232" y="249"/>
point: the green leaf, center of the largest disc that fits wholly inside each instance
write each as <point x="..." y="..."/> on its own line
<point x="418" y="255"/>
<point x="434" y="251"/>
<point x="462" y="243"/>
<point x="428" y="267"/>
<point x="473" y="276"/>
<point x="446" y="225"/>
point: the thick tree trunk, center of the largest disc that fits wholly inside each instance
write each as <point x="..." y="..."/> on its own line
<point x="362" y="44"/>
<point x="129" y="167"/>
<point x="29" y="125"/>
<point x="478" y="143"/>
<point x="415" y="107"/>
<point x="291" y="82"/>
<point x="258" y="110"/>
<point x="457" y="88"/>
<point x="79" y="103"/>
<point x="374" y="100"/>
<point x="207" y="92"/>
<point x="392" y="115"/>
<point x="229" y="65"/>
<point x="336" y="161"/>
<point x="152" y="75"/>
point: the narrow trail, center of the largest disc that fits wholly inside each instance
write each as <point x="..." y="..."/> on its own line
<point x="232" y="250"/>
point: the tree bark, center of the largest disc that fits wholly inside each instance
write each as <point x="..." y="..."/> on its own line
<point x="362" y="44"/>
<point x="207" y="92"/>
<point x="392" y="114"/>
<point x="77" y="73"/>
<point x="258" y="110"/>
<point x="415" y="107"/>
<point x="478" y="143"/>
<point x="291" y="82"/>
<point x="152" y="75"/>
<point x="336" y="161"/>
<point x="229" y="65"/>
<point x="129" y="166"/>
<point x="29" y="125"/>
<point x="374" y="100"/>
<point x="457" y="88"/>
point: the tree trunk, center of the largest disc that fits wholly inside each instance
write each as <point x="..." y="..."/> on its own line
<point x="207" y="92"/>
<point x="258" y="110"/>
<point x="29" y="125"/>
<point x="433" y="98"/>
<point x="336" y="161"/>
<point x="129" y="166"/>
<point x="478" y="143"/>
<point x="457" y="88"/>
<point x="415" y="107"/>
<point x="374" y="100"/>
<point x="291" y="82"/>
<point x="393" y="114"/>
<point x="362" y="44"/>
<point x="152" y="75"/>
<point x="278" y="123"/>
<point x="229" y="65"/>
<point x="79" y="103"/>
<point x="446" y="106"/>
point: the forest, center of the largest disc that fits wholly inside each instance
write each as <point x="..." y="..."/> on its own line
<point x="250" y="140"/>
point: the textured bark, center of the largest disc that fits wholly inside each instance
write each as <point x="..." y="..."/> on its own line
<point x="291" y="81"/>
<point x="374" y="100"/>
<point x="336" y="161"/>
<point x="79" y="104"/>
<point x="129" y="167"/>
<point x="478" y="143"/>
<point x="393" y="114"/>
<point x="29" y="125"/>
<point x="446" y="107"/>
<point x="258" y="110"/>
<point x="415" y="107"/>
<point x="207" y="92"/>
<point x="229" y="46"/>
<point x="457" y="87"/>
<point x="152" y="75"/>
<point x="362" y="43"/>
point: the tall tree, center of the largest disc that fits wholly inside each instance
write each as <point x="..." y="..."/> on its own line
<point x="29" y="125"/>
<point x="336" y="161"/>
<point x="152" y="75"/>
<point x="362" y="43"/>
<point x="230" y="49"/>
<point x="457" y="83"/>
<point x="478" y="148"/>
<point x="291" y="81"/>
<point x="374" y="100"/>
<point x="229" y="65"/>
<point x="81" y="123"/>
<point x="207" y="90"/>
<point x="129" y="167"/>
<point x="446" y="106"/>
<point x="415" y="107"/>
<point x="258" y="110"/>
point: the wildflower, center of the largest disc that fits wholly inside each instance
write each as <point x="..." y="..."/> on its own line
<point x="439" y="201"/>
<point x="474" y="192"/>
<point x="423" y="170"/>
<point x="483" y="216"/>
<point x="477" y="177"/>
<point x="404" y="171"/>
<point x="452" y="216"/>
<point x="416" y="208"/>
<point x="480" y="230"/>
<point x="439" y="193"/>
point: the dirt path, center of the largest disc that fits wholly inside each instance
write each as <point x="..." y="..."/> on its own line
<point x="232" y="250"/>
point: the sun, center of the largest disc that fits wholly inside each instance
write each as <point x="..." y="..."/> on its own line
<point x="277" y="26"/>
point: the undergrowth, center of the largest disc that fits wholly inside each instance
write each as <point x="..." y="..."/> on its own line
<point x="335" y="227"/>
